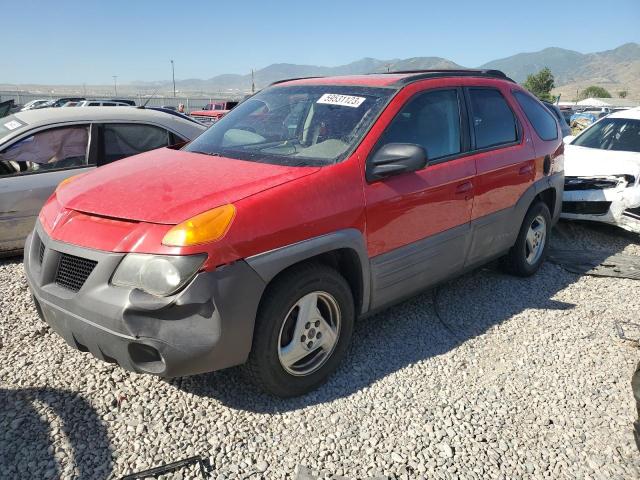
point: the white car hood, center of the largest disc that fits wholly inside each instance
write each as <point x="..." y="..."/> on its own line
<point x="593" y="162"/>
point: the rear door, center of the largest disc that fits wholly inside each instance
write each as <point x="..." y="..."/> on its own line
<point x="418" y="223"/>
<point x="30" y="169"/>
<point x="505" y="163"/>
<point x="121" y="140"/>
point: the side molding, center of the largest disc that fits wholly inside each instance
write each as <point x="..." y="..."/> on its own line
<point x="271" y="263"/>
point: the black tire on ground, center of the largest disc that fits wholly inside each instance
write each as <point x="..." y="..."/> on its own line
<point x="264" y="367"/>
<point x="515" y="262"/>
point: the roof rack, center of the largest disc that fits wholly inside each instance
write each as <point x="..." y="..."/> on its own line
<point x="293" y="79"/>
<point x="422" y="74"/>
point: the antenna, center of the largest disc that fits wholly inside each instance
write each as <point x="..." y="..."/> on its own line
<point x="148" y="99"/>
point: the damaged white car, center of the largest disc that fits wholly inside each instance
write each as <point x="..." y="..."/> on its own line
<point x="602" y="172"/>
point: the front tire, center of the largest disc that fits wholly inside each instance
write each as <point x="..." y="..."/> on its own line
<point x="302" y="332"/>
<point x="530" y="250"/>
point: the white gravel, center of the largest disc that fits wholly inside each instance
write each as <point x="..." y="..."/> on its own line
<point x="488" y="376"/>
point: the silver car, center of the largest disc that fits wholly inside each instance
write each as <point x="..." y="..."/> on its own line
<point x="40" y="148"/>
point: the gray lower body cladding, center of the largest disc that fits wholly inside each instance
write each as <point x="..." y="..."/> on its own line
<point x="403" y="272"/>
<point x="206" y="326"/>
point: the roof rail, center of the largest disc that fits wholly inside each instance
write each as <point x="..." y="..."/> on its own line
<point x="292" y="79"/>
<point x="422" y="74"/>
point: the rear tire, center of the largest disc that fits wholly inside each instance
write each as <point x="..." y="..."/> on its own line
<point x="302" y="332"/>
<point x="530" y="250"/>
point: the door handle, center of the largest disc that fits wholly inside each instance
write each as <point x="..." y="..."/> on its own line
<point x="526" y="169"/>
<point x="464" y="187"/>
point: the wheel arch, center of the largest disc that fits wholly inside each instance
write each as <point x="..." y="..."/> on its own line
<point x="548" y="197"/>
<point x="343" y="250"/>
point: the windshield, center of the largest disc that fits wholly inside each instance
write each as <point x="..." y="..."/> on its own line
<point x="612" y="134"/>
<point x="301" y="125"/>
<point x="9" y="125"/>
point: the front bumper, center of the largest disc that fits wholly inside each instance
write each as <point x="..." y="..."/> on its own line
<point x="206" y="326"/>
<point x="616" y="206"/>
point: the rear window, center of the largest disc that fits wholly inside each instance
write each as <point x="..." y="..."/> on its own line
<point x="540" y="117"/>
<point x="493" y="121"/>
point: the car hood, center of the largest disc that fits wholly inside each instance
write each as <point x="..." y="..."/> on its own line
<point x="593" y="162"/>
<point x="169" y="186"/>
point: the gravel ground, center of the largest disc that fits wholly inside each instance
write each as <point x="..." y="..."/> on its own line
<point x="487" y="376"/>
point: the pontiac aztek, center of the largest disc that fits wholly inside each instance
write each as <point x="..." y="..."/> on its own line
<point x="312" y="203"/>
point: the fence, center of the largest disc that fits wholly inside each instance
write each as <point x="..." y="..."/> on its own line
<point x="190" y="103"/>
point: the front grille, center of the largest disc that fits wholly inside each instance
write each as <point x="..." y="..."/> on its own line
<point x="73" y="271"/>
<point x="578" y="183"/>
<point x="41" y="252"/>
<point x="586" y="208"/>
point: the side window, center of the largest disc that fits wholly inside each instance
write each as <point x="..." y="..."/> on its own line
<point x="431" y="119"/>
<point x="120" y="140"/>
<point x="493" y="121"/>
<point x="174" y="138"/>
<point x="541" y="119"/>
<point x="57" y="148"/>
<point x="93" y="104"/>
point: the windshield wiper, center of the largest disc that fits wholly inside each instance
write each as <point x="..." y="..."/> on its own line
<point x="211" y="154"/>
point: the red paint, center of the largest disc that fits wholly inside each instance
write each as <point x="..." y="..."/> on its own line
<point x="169" y="186"/>
<point x="217" y="114"/>
<point x="129" y="205"/>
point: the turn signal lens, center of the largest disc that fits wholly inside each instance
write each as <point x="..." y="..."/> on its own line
<point x="68" y="180"/>
<point x="206" y="227"/>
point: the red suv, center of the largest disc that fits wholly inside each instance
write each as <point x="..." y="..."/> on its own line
<point x="312" y="203"/>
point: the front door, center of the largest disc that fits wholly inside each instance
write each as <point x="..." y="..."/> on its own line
<point x="30" y="170"/>
<point x="418" y="223"/>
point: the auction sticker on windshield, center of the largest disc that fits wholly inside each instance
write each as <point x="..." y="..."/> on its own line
<point x="12" y="125"/>
<point x="343" y="100"/>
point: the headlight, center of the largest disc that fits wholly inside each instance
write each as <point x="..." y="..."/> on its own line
<point x="630" y="179"/>
<point x="159" y="275"/>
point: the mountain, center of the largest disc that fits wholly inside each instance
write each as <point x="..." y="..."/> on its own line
<point x="569" y="66"/>
<point x="280" y="71"/>
<point x="615" y="70"/>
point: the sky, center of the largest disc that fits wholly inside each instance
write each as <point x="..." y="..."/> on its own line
<point x="75" y="42"/>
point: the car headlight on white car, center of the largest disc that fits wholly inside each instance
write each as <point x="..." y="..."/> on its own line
<point x="159" y="275"/>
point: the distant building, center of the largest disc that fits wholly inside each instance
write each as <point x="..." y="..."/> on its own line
<point x="604" y="102"/>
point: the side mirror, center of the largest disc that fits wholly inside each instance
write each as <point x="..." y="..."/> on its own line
<point x="394" y="159"/>
<point x="568" y="139"/>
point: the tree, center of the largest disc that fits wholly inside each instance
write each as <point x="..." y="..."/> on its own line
<point x="622" y="93"/>
<point x="594" y="92"/>
<point x="541" y="84"/>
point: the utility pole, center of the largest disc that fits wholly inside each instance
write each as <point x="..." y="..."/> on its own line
<point x="115" y="84"/>
<point x="173" y="75"/>
<point x="253" y="83"/>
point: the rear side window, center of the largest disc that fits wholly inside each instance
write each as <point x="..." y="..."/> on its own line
<point x="493" y="121"/>
<point x="541" y="119"/>
<point x="120" y="140"/>
<point x="432" y="120"/>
